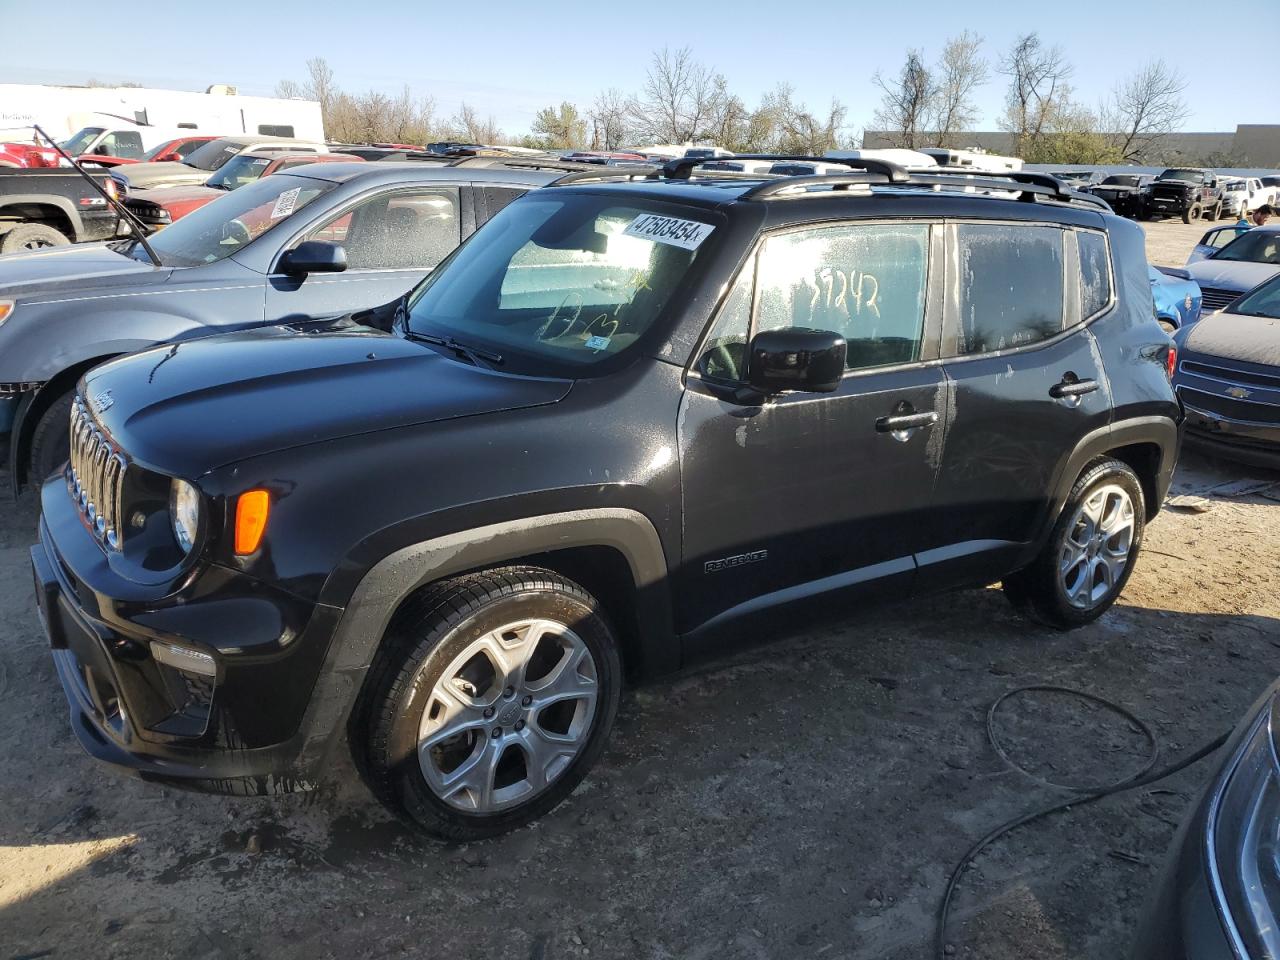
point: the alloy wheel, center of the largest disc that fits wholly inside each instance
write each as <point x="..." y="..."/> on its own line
<point x="508" y="716"/>
<point x="1097" y="547"/>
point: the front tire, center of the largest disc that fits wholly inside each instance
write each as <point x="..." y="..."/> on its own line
<point x="492" y="697"/>
<point x="1090" y="553"/>
<point x="50" y="440"/>
<point x="1191" y="213"/>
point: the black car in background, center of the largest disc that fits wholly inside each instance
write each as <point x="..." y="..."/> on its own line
<point x="1186" y="192"/>
<point x="630" y="418"/>
<point x="1218" y="897"/>
<point x="1228" y="378"/>
<point x="1125" y="192"/>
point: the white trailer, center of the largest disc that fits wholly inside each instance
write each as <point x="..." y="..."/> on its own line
<point x="220" y="111"/>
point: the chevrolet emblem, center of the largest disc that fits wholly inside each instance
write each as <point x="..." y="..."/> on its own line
<point x="1240" y="393"/>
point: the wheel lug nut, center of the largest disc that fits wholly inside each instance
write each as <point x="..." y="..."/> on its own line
<point x="519" y="724"/>
<point x="526" y="701"/>
<point x="488" y="712"/>
<point x="497" y="732"/>
<point x="509" y="692"/>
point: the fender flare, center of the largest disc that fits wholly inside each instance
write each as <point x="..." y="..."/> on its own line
<point x="1162" y="431"/>
<point x="65" y="206"/>
<point x="386" y="585"/>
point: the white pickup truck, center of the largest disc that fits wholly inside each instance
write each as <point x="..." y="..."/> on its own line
<point x="1242" y="194"/>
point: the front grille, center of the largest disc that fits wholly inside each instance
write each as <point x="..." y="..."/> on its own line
<point x="1169" y="193"/>
<point x="1203" y="369"/>
<point x="1241" y="410"/>
<point x="95" y="475"/>
<point x="1214" y="299"/>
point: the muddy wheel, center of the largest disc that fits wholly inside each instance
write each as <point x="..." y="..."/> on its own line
<point x="1191" y="213"/>
<point x="32" y="236"/>
<point x="1217" y="211"/>
<point x="493" y="695"/>
<point x="1090" y="552"/>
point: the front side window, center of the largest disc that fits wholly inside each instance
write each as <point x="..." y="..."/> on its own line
<point x="557" y="283"/>
<point x="1008" y="286"/>
<point x="865" y="282"/>
<point x="396" y="231"/>
<point x="121" y="143"/>
<point x="724" y="355"/>
<point x="219" y="229"/>
<point x="1095" y="273"/>
<point x="1256" y="246"/>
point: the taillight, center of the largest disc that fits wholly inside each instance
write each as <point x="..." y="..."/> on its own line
<point x="1170" y="361"/>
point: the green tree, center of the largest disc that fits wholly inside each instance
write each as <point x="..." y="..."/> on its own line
<point x="564" y="128"/>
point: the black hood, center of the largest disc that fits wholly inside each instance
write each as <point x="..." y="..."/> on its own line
<point x="189" y="408"/>
<point x="55" y="271"/>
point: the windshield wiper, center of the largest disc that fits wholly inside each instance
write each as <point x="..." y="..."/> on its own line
<point x="475" y="354"/>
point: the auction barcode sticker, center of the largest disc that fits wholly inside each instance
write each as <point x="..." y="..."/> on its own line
<point x="670" y="230"/>
<point x="285" y="203"/>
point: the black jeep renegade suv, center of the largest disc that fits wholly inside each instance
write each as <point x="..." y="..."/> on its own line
<point x="628" y="414"/>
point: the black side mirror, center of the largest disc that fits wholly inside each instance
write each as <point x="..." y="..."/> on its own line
<point x="314" y="256"/>
<point x="799" y="359"/>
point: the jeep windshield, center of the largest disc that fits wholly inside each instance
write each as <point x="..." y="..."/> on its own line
<point x="217" y="230"/>
<point x="213" y="154"/>
<point x="238" y="171"/>
<point x="1256" y="246"/>
<point x="555" y="284"/>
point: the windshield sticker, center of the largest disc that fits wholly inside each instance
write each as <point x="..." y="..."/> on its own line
<point x="688" y="234"/>
<point x="598" y="343"/>
<point x="285" y="203"/>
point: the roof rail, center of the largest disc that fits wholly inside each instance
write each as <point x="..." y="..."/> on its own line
<point x="682" y="167"/>
<point x="594" y="171"/>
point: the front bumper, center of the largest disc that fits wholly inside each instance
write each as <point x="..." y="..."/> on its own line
<point x="1245" y="441"/>
<point x="253" y="728"/>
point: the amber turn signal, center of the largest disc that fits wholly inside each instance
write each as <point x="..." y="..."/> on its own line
<point x="252" y="509"/>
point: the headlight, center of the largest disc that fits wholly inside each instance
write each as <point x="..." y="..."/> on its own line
<point x="6" y="310"/>
<point x="184" y="513"/>
<point x="1243" y="838"/>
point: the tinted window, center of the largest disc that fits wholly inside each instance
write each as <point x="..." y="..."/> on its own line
<point x="865" y="282"/>
<point x="275" y="130"/>
<point x="1095" y="273"/>
<point x="397" y="231"/>
<point x="1010" y="286"/>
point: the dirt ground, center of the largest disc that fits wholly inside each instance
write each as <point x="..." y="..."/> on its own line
<point x="807" y="798"/>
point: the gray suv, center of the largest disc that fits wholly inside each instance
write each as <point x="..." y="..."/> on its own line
<point x="321" y="240"/>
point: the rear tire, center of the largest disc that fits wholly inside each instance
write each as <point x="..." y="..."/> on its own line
<point x="491" y="698"/>
<point x="51" y="440"/>
<point x="32" y="236"/>
<point x="1090" y="553"/>
<point x="1217" y="211"/>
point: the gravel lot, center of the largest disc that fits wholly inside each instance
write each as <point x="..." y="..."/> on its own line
<point x="807" y="798"/>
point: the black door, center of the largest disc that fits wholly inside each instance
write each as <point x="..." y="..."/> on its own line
<point x="1028" y="386"/>
<point x="807" y="493"/>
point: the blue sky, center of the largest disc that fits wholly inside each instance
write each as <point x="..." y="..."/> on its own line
<point x="508" y="59"/>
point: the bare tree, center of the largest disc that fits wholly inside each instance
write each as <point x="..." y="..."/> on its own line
<point x="680" y="98"/>
<point x="906" y="101"/>
<point x="289" y="90"/>
<point x="1143" y="109"/>
<point x="608" y="116"/>
<point x="467" y="125"/>
<point x="1039" y="90"/>
<point x="960" y="71"/>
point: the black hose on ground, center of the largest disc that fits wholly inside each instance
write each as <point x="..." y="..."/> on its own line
<point x="1142" y="778"/>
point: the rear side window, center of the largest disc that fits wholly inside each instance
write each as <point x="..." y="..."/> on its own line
<point x="1010" y="286"/>
<point x="274" y="130"/>
<point x="1095" y="273"/>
